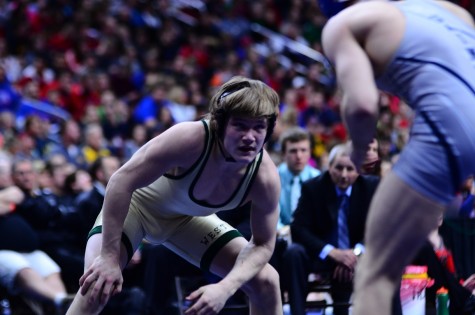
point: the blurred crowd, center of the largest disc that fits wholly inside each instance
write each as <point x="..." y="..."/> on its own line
<point x="95" y="78"/>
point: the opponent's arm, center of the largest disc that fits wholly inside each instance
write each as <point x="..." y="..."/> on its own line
<point x="356" y="78"/>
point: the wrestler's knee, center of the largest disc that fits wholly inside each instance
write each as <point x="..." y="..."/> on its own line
<point x="264" y="287"/>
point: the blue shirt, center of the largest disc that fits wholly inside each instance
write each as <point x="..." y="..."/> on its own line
<point x="286" y="180"/>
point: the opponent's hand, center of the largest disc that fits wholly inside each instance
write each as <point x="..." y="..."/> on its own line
<point x="104" y="278"/>
<point x="207" y="300"/>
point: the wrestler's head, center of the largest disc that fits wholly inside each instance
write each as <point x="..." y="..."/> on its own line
<point x="244" y="98"/>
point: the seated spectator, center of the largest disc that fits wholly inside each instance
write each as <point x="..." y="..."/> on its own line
<point x="148" y="110"/>
<point x="372" y="162"/>
<point x="293" y="171"/>
<point x="295" y="144"/>
<point x="55" y="224"/>
<point x="24" y="268"/>
<point x="441" y="268"/>
<point x="328" y="231"/>
<point x="76" y="183"/>
<point x="89" y="203"/>
<point x="67" y="143"/>
<point x="138" y="138"/>
<point x="95" y="144"/>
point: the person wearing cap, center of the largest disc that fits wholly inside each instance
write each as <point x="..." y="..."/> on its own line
<point x="171" y="188"/>
<point x="422" y="51"/>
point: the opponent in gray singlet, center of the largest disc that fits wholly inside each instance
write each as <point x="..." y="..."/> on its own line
<point x="438" y="82"/>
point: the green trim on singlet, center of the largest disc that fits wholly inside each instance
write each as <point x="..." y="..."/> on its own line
<point x="124" y="238"/>
<point x="251" y="170"/>
<point x="209" y="255"/>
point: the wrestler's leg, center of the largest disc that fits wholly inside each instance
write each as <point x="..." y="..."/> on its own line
<point x="399" y="221"/>
<point x="80" y="304"/>
<point x="263" y="290"/>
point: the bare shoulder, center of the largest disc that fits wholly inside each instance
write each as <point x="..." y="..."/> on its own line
<point x="458" y="11"/>
<point x="184" y="133"/>
<point x="178" y="146"/>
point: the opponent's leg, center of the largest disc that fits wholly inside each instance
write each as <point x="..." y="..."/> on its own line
<point x="399" y="221"/>
<point x="263" y="290"/>
<point x="81" y="304"/>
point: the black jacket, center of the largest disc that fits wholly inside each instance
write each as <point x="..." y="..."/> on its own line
<point x="316" y="217"/>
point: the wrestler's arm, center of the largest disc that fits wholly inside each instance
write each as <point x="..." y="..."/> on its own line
<point x="356" y="79"/>
<point x="174" y="148"/>
<point x="264" y="216"/>
<point x="171" y="149"/>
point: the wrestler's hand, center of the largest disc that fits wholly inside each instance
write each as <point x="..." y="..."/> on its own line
<point x="208" y="299"/>
<point x="103" y="279"/>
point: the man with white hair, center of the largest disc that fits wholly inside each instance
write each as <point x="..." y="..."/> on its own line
<point x="328" y="230"/>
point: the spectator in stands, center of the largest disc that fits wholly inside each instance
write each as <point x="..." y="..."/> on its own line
<point x="138" y="138"/>
<point x="24" y="268"/>
<point x="89" y="204"/>
<point x="56" y="226"/>
<point x="68" y="143"/>
<point x="115" y="124"/>
<point x="148" y="110"/>
<point x="95" y="144"/>
<point x="296" y="168"/>
<point x="76" y="183"/>
<point x="372" y="162"/>
<point x="9" y="97"/>
<point x="293" y="171"/>
<point x="328" y="231"/>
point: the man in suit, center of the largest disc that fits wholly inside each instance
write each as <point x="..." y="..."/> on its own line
<point x="90" y="203"/>
<point x="328" y="230"/>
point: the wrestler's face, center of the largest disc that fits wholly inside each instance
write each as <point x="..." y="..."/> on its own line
<point x="343" y="171"/>
<point x="244" y="137"/>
